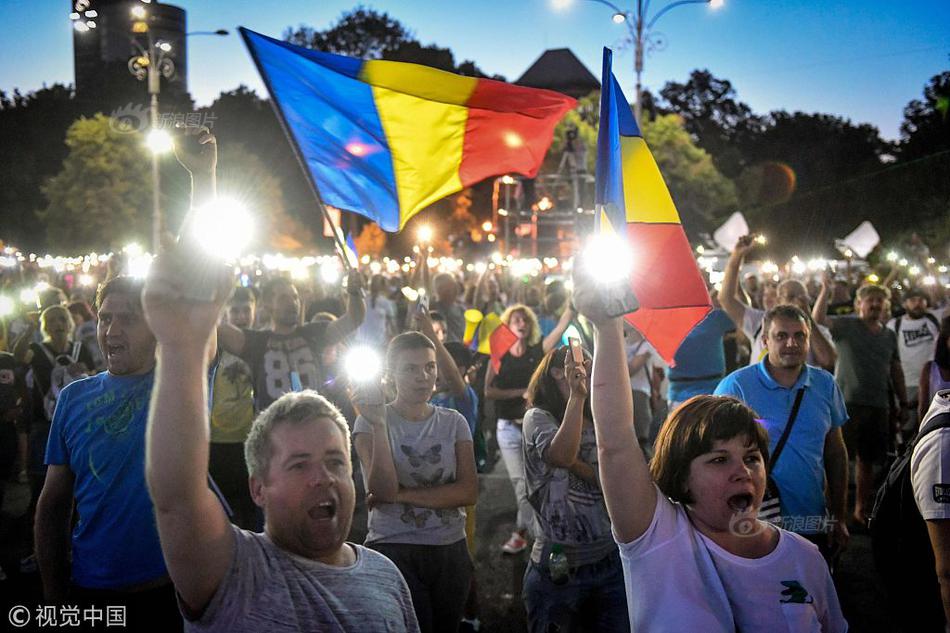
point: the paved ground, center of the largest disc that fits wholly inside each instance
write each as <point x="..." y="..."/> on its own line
<point x="499" y="576"/>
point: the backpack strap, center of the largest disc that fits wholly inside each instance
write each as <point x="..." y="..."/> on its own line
<point x="77" y="349"/>
<point x="49" y="354"/>
<point x="930" y="317"/>
<point x="939" y="421"/>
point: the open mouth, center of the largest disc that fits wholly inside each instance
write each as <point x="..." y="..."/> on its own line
<point x="740" y="503"/>
<point x="114" y="349"/>
<point x="323" y="511"/>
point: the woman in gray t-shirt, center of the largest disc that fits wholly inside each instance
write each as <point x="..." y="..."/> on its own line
<point x="419" y="469"/>
<point x="560" y="462"/>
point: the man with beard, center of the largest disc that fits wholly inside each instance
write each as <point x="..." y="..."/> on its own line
<point x="868" y="365"/>
<point x="917" y="330"/>
<point x="286" y="356"/>
<point x="300" y="575"/>
<point x="814" y="451"/>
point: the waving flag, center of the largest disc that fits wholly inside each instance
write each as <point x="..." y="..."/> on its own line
<point x="500" y="341"/>
<point x="387" y="139"/>
<point x="632" y="200"/>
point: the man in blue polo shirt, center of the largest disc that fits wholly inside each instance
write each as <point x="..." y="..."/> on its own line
<point x="815" y="450"/>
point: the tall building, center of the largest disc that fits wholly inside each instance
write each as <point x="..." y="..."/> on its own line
<point x="108" y="34"/>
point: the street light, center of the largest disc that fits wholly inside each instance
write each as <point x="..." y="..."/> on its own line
<point x="150" y="63"/>
<point x="639" y="27"/>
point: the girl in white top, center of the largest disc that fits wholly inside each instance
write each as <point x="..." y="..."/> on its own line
<point x="695" y="557"/>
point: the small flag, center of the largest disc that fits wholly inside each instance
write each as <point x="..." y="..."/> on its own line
<point x="351" y="253"/>
<point x="632" y="200"/>
<point x="386" y="139"/>
<point x="501" y="341"/>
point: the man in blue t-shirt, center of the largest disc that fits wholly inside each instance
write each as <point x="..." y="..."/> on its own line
<point x="814" y="451"/>
<point x="96" y="454"/>
<point x="700" y="361"/>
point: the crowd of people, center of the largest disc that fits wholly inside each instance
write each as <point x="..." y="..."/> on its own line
<point x="199" y="459"/>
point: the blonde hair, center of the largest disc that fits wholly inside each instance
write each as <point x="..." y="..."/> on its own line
<point x="534" y="337"/>
<point x="50" y="310"/>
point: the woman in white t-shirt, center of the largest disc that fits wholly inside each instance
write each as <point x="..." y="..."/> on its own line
<point x="695" y="557"/>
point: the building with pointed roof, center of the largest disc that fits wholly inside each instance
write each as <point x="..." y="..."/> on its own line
<point x="560" y="70"/>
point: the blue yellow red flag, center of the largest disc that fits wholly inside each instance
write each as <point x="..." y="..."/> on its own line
<point x="386" y="139"/>
<point x="631" y="200"/>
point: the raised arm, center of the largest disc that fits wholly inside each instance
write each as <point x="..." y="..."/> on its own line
<point x="231" y="338"/>
<point x="819" y="311"/>
<point x="553" y="338"/>
<point x="825" y="354"/>
<point x="195" y="534"/>
<point x="374" y="449"/>
<point x="21" y="347"/>
<point x="444" y="361"/>
<point x="628" y="487"/>
<point x="339" y="329"/>
<point x="562" y="451"/>
<point x="729" y="295"/>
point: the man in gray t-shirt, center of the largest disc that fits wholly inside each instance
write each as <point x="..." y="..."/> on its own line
<point x="300" y="575"/>
<point x="868" y="366"/>
<point x="270" y="589"/>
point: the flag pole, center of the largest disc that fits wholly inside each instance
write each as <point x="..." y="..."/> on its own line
<point x="337" y="241"/>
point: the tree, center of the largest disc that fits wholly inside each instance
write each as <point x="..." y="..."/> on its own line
<point x="100" y="198"/>
<point x="713" y="115"/>
<point x="926" y="126"/>
<point x="701" y="193"/>
<point x="245" y="177"/>
<point x="362" y="32"/>
<point x="821" y="149"/>
<point x="32" y="129"/>
<point x="368" y="34"/>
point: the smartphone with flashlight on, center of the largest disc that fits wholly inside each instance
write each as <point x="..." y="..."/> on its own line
<point x="577" y="352"/>
<point x="598" y="266"/>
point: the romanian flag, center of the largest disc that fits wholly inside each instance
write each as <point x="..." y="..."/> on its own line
<point x="387" y="139"/>
<point x="632" y="200"/>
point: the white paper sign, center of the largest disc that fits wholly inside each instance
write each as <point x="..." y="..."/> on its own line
<point x="729" y="233"/>
<point x="861" y="240"/>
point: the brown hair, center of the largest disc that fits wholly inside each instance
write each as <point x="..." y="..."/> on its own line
<point x="543" y="391"/>
<point x="691" y="430"/>
<point x="123" y="284"/>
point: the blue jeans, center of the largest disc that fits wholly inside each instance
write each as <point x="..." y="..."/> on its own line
<point x="593" y="598"/>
